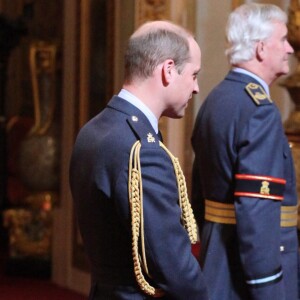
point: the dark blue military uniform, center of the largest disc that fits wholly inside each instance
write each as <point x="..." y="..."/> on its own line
<point x="244" y="194"/>
<point x="99" y="184"/>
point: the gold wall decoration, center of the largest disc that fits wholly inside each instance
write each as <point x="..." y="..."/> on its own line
<point x="39" y="151"/>
<point x="149" y="10"/>
<point x="236" y="3"/>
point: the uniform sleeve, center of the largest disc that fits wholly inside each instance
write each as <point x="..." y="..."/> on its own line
<point x="260" y="155"/>
<point x="168" y="248"/>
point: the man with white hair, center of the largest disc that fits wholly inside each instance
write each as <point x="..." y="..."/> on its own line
<point x="129" y="191"/>
<point x="244" y="188"/>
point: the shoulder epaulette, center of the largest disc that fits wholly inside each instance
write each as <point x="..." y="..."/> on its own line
<point x="145" y="134"/>
<point x="257" y="93"/>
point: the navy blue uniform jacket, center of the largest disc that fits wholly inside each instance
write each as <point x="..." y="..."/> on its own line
<point x="255" y="258"/>
<point x="99" y="184"/>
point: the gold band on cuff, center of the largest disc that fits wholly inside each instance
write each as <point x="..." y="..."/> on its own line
<point x="224" y="213"/>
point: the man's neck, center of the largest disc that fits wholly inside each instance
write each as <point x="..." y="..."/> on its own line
<point x="257" y="69"/>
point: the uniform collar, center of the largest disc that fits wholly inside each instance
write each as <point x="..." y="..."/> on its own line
<point x="124" y="94"/>
<point x="262" y="82"/>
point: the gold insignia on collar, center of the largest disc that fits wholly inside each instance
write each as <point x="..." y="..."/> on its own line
<point x="150" y="138"/>
<point x="265" y="190"/>
<point x="257" y="93"/>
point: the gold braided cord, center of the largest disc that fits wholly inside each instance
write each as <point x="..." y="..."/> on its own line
<point x="135" y="190"/>
<point x="135" y="199"/>
<point x="187" y="215"/>
<point x="137" y="167"/>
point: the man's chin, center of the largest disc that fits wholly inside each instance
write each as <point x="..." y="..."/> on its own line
<point x="283" y="72"/>
<point x="173" y="115"/>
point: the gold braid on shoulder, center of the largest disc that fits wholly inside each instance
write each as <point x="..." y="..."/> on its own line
<point x="135" y="189"/>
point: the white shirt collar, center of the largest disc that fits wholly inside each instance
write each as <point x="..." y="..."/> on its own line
<point x="124" y="94"/>
<point x="262" y="82"/>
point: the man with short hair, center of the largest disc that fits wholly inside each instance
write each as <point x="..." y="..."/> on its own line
<point x="130" y="197"/>
<point x="244" y="187"/>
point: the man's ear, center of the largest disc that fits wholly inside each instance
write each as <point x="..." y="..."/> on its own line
<point x="167" y="70"/>
<point x="260" y="50"/>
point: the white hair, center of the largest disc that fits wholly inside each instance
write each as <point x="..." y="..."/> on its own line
<point x="248" y="24"/>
